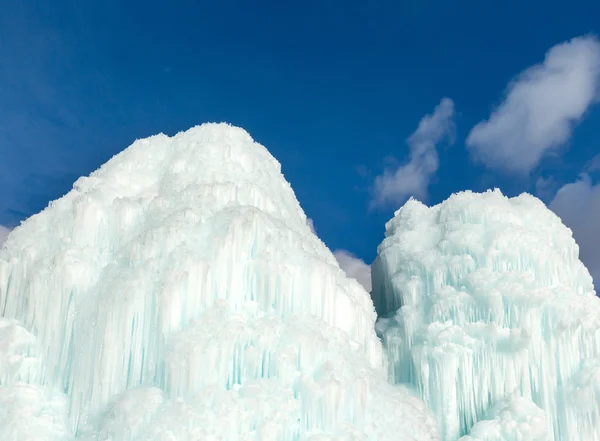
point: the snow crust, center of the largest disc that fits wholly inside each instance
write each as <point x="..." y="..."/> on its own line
<point x="485" y="305"/>
<point x="178" y="294"/>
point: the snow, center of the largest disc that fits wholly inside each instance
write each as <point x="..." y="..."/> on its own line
<point x="178" y="294"/>
<point x="485" y="305"/>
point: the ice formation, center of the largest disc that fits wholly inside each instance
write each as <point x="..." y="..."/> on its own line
<point x="513" y="419"/>
<point x="488" y="312"/>
<point x="178" y="294"/>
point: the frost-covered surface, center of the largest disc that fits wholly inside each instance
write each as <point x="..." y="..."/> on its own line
<point x="513" y="419"/>
<point x="178" y="294"/>
<point x="484" y="298"/>
<point x="583" y="400"/>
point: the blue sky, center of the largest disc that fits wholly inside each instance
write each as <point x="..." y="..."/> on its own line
<point x="334" y="89"/>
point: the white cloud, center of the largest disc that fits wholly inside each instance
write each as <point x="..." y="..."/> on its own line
<point x="578" y="205"/>
<point x="396" y="184"/>
<point x="542" y="106"/>
<point x="3" y="233"/>
<point x="354" y="267"/>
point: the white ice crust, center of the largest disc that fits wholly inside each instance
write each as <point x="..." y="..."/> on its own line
<point x="485" y="305"/>
<point x="178" y="294"/>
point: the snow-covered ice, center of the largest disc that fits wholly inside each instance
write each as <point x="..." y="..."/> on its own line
<point x="513" y="419"/>
<point x="485" y="305"/>
<point x="179" y="294"/>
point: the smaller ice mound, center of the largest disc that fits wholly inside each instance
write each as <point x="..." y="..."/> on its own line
<point x="17" y="352"/>
<point x="514" y="419"/>
<point x="583" y="402"/>
<point x="27" y="412"/>
<point x="32" y="413"/>
<point x="484" y="296"/>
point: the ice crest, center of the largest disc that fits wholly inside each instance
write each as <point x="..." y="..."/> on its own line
<point x="483" y="297"/>
<point x="178" y="294"/>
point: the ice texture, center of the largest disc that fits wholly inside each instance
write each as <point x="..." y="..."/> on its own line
<point x="513" y="419"/>
<point x="178" y="294"/>
<point x="485" y="303"/>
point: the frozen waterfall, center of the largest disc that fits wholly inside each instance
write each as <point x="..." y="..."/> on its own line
<point x="178" y="294"/>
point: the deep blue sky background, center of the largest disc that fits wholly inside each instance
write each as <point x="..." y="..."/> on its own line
<point x="331" y="88"/>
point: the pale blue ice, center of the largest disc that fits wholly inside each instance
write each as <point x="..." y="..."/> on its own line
<point x="178" y="294"/>
<point x="487" y="310"/>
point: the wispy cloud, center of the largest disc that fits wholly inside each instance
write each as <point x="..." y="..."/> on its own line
<point x="396" y="184"/>
<point x="542" y="106"/>
<point x="354" y="267"/>
<point x="594" y="164"/>
<point x="3" y="233"/>
<point x="46" y="91"/>
<point x="578" y="205"/>
<point x="545" y="187"/>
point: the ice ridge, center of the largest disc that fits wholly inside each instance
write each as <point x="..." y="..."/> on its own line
<point x="485" y="305"/>
<point x="177" y="293"/>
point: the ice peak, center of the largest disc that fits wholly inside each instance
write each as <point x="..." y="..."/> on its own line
<point x="178" y="293"/>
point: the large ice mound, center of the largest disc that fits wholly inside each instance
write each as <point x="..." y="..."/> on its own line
<point x="178" y="294"/>
<point x="488" y="311"/>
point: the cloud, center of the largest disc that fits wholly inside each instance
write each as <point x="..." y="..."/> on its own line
<point x="3" y="233"/>
<point x="545" y="187"/>
<point x="578" y="205"/>
<point x="542" y="106"/>
<point x="396" y="184"/>
<point x="311" y="225"/>
<point x="594" y="164"/>
<point x="354" y="267"/>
